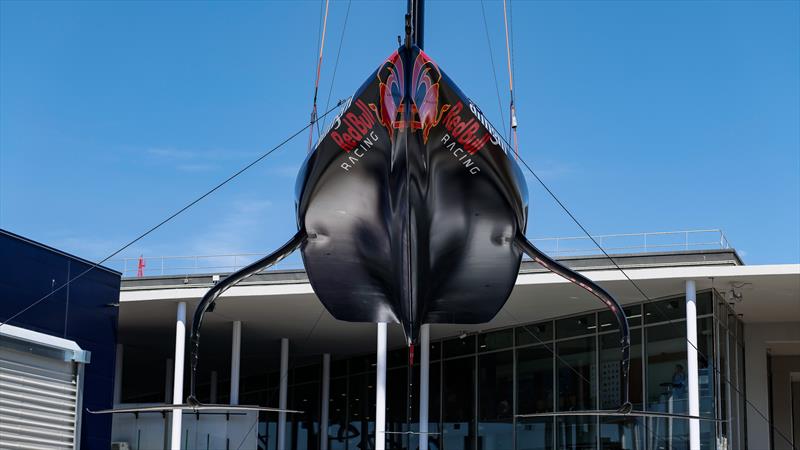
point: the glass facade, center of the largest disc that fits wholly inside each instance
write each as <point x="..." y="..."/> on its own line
<point x="479" y="383"/>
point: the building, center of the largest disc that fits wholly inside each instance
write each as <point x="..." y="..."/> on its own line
<point x="551" y="348"/>
<point x="57" y="358"/>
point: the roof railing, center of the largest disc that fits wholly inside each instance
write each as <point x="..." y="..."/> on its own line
<point x="659" y="241"/>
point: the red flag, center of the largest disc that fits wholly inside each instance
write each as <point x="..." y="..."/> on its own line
<point x="140" y="272"/>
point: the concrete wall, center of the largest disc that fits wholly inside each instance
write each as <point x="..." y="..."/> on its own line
<point x="782" y="368"/>
<point x="758" y="337"/>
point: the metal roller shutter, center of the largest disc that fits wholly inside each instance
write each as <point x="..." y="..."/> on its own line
<point x="40" y="391"/>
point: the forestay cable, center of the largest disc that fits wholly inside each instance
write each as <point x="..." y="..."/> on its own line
<point x="316" y="81"/>
<point x="336" y="64"/>
<point x="494" y="70"/>
<point x="513" y="118"/>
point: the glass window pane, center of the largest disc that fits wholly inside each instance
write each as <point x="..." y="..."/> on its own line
<point x="608" y="321"/>
<point x="535" y="433"/>
<point x="534" y="379"/>
<point x="495" y="401"/>
<point x="663" y="310"/>
<point x="459" y="346"/>
<point x="337" y="426"/>
<point x="722" y="377"/>
<point x="339" y="368"/>
<point x="722" y="310"/>
<point x="396" y="407"/>
<point x="397" y="358"/>
<point x="361" y="409"/>
<point x="434" y="395"/>
<point x="307" y="374"/>
<point x="496" y="340"/>
<point x="576" y="433"/>
<point x="733" y="439"/>
<point x="666" y="383"/>
<point x="705" y="365"/>
<point x="622" y="433"/>
<point x="535" y="333"/>
<point x="575" y="326"/>
<point x="458" y="404"/>
<point x="303" y="428"/>
<point x="610" y="382"/>
<point x="436" y="350"/>
<point x="705" y="303"/>
<point x="742" y="419"/>
<point x="576" y="374"/>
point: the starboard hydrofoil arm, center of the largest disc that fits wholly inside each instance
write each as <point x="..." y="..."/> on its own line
<point x="593" y="288"/>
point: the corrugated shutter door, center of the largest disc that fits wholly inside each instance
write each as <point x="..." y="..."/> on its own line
<point x="38" y="398"/>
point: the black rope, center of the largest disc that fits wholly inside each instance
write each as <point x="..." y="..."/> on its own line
<point x="172" y="216"/>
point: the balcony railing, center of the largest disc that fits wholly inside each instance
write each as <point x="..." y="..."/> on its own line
<point x="661" y="241"/>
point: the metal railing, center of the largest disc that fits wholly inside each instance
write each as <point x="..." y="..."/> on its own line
<point x="658" y="241"/>
<point x="661" y="241"/>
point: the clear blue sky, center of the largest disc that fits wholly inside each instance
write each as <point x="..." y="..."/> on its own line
<point x="642" y="116"/>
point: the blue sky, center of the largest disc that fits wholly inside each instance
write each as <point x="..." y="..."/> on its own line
<point x="642" y="116"/>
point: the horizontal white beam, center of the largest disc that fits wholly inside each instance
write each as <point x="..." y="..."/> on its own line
<point x="539" y="278"/>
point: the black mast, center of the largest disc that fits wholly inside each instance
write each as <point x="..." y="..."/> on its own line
<point x="415" y="18"/>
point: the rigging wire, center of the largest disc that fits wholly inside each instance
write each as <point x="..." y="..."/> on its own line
<point x="316" y="81"/>
<point x="513" y="112"/>
<point x="494" y="70"/>
<point x="336" y="64"/>
<point x="173" y="215"/>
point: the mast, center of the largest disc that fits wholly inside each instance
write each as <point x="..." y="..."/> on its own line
<point x="415" y="17"/>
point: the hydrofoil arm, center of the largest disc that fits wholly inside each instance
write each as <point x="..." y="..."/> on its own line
<point x="593" y="288"/>
<point x="211" y="296"/>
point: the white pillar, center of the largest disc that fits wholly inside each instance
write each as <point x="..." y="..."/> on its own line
<point x="118" y="375"/>
<point x="380" y="390"/>
<point x="284" y="380"/>
<point x="326" y="394"/>
<point x="691" y="369"/>
<point x="177" y="383"/>
<point x="169" y="376"/>
<point x="212" y="388"/>
<point x="236" y="358"/>
<point x="424" y="383"/>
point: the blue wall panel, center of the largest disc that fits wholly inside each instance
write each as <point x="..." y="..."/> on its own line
<point x="85" y="312"/>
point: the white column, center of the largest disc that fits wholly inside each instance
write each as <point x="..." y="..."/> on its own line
<point x="118" y="374"/>
<point x="691" y="369"/>
<point x="177" y="383"/>
<point x="326" y="394"/>
<point x="424" y="383"/>
<point x="212" y="388"/>
<point x="169" y="376"/>
<point x="380" y="390"/>
<point x="284" y="380"/>
<point x="236" y="359"/>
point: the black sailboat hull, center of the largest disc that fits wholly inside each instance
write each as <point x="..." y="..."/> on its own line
<point x="411" y="203"/>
